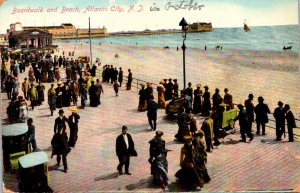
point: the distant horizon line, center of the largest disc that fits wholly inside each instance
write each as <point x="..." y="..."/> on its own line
<point x="123" y="31"/>
<point x="213" y="28"/>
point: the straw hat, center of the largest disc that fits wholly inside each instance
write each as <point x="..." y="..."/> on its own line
<point x="198" y="85"/>
<point x="187" y="138"/>
<point x="199" y="133"/>
<point x="73" y="109"/>
<point x="59" y="83"/>
<point x="162" y="82"/>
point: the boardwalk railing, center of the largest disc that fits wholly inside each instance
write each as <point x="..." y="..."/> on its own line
<point x="134" y="84"/>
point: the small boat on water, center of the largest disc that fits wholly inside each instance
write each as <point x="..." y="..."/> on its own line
<point x="246" y="27"/>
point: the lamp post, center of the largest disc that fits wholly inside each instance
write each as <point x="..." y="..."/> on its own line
<point x="184" y="25"/>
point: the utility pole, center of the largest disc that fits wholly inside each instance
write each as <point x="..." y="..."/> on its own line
<point x="91" y="55"/>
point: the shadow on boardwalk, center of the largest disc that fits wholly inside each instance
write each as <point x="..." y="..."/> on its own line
<point x="107" y="177"/>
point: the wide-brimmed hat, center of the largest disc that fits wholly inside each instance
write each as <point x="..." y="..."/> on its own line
<point x="199" y="133"/>
<point x="198" y="85"/>
<point x="58" y="83"/>
<point x="162" y="82"/>
<point x="223" y="105"/>
<point x="73" y="109"/>
<point x="188" y="138"/>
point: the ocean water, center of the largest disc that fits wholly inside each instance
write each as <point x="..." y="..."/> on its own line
<point x="267" y="38"/>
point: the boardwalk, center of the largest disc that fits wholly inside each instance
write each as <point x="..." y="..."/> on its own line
<point x="261" y="165"/>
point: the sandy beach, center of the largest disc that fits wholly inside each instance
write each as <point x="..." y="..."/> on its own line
<point x="273" y="75"/>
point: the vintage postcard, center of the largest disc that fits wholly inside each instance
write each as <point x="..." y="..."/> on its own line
<point x="150" y="95"/>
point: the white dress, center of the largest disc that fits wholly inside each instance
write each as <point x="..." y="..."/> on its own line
<point x="23" y="113"/>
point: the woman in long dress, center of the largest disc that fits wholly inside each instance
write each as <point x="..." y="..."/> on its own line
<point x="189" y="174"/>
<point x="40" y="88"/>
<point x="57" y="74"/>
<point x="31" y="75"/>
<point x="73" y="125"/>
<point x="142" y="100"/>
<point x="206" y="102"/>
<point x="23" y="116"/>
<point x="197" y="100"/>
<point x="161" y="95"/>
<point x="93" y="92"/>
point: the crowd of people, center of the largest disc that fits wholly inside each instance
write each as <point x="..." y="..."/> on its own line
<point x="193" y="171"/>
<point x="79" y="83"/>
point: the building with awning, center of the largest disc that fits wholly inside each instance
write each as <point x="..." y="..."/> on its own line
<point x="31" y="38"/>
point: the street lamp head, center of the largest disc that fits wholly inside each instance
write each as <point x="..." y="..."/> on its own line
<point x="183" y="24"/>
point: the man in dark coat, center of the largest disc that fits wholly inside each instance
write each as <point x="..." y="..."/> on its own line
<point x="197" y="99"/>
<point x="148" y="92"/>
<point x="169" y="90"/>
<point x="189" y="90"/>
<point x="93" y="70"/>
<point x="129" y="80"/>
<point x="93" y="92"/>
<point x="250" y="110"/>
<point x="244" y="125"/>
<point x="9" y="83"/>
<point x="52" y="99"/>
<point x="175" y="88"/>
<point x="217" y="99"/>
<point x="58" y="92"/>
<point x="120" y="76"/>
<point x="60" y="121"/>
<point x="152" y="107"/>
<point x="31" y="133"/>
<point x="73" y="125"/>
<point x="112" y="73"/>
<point x="100" y="90"/>
<point x="206" y="106"/>
<point x="124" y="149"/>
<point x="228" y="99"/>
<point x="60" y="147"/>
<point x="115" y="74"/>
<point x="279" y="115"/>
<point x="83" y="94"/>
<point x="66" y="95"/>
<point x="291" y="123"/>
<point x="261" y="110"/>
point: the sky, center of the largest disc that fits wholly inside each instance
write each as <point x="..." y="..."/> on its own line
<point x="117" y="17"/>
